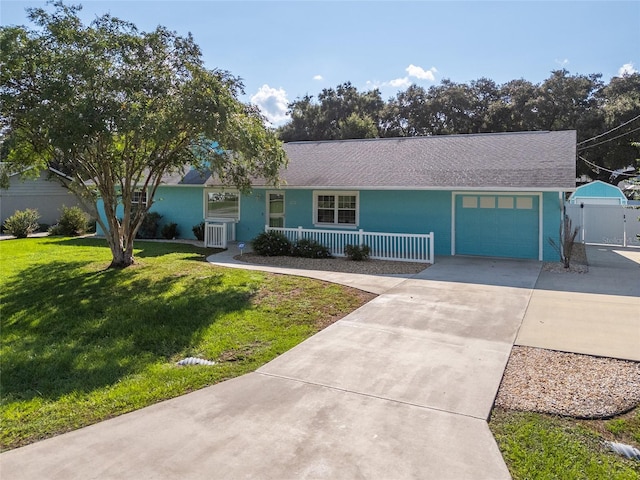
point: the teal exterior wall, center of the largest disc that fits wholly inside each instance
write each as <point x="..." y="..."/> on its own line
<point x="181" y="205"/>
<point x="379" y="211"/>
<point x="252" y="215"/>
<point x="553" y="210"/>
<point x="408" y="212"/>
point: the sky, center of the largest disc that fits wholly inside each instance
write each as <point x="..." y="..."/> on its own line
<point x="284" y="50"/>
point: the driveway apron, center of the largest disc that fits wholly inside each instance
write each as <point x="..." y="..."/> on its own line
<point x="400" y="388"/>
<point x="597" y="313"/>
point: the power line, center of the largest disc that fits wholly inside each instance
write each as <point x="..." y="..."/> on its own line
<point x="609" y="131"/>
<point x="606" y="169"/>
<point x="609" y="139"/>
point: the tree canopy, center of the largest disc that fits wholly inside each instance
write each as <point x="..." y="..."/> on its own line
<point x="562" y="101"/>
<point x="118" y="109"/>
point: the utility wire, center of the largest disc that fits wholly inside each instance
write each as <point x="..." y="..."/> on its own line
<point x="609" y="139"/>
<point x="609" y="131"/>
<point x="606" y="169"/>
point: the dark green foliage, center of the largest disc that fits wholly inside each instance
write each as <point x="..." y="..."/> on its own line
<point x="198" y="231"/>
<point x="169" y="231"/>
<point x="357" y="252"/>
<point x="22" y="223"/>
<point x="149" y="227"/>
<point x="271" y="244"/>
<point x="307" y="248"/>
<point x="73" y="222"/>
<point x="564" y="101"/>
<point x="117" y="109"/>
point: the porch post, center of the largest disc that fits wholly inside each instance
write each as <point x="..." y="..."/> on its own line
<point x="224" y="234"/>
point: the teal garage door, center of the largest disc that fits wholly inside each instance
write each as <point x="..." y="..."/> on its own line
<point x="497" y="225"/>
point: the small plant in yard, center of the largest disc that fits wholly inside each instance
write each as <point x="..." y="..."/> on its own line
<point x="73" y="222"/>
<point x="308" y="248"/>
<point x="198" y="231"/>
<point x="271" y="244"/>
<point x="170" y="231"/>
<point x="22" y="223"/>
<point x="357" y="252"/>
<point x="568" y="234"/>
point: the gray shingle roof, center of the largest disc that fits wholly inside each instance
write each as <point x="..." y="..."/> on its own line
<point x="501" y="161"/>
<point x="540" y="160"/>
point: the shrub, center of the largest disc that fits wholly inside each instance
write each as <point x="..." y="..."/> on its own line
<point x="149" y="227"/>
<point x="198" y="231"/>
<point x="568" y="234"/>
<point x="22" y="223"/>
<point x="357" y="252"/>
<point x="169" y="231"/>
<point x="310" y="249"/>
<point x="271" y="244"/>
<point x="73" y="222"/>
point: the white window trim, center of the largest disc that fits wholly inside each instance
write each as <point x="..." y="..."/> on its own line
<point x="205" y="202"/>
<point x="143" y="192"/>
<point x="284" y="205"/>
<point x="314" y="213"/>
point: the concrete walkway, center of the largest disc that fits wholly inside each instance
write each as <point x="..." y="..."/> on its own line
<point x="597" y="313"/>
<point x="400" y="388"/>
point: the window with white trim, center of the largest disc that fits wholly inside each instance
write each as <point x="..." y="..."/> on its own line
<point x="221" y="204"/>
<point x="139" y="197"/>
<point x="336" y="208"/>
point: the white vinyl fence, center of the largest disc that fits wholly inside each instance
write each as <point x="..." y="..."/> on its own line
<point x="403" y="247"/>
<point x="606" y="224"/>
<point x="219" y="234"/>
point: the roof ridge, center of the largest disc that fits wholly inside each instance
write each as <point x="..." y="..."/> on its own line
<point x="378" y="139"/>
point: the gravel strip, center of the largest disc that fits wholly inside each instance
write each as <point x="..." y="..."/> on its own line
<point x="568" y="384"/>
<point x="578" y="264"/>
<point x="367" y="267"/>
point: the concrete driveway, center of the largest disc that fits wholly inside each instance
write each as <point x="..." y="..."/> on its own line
<point x="400" y="388"/>
<point x="597" y="313"/>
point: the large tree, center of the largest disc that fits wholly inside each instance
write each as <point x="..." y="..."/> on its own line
<point x="339" y="114"/>
<point x="118" y="109"/>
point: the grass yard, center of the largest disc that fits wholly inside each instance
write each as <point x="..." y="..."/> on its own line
<point x="80" y="344"/>
<point x="539" y="446"/>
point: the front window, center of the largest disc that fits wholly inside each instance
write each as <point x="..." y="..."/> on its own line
<point x="222" y="204"/>
<point x="336" y="208"/>
<point x="139" y="197"/>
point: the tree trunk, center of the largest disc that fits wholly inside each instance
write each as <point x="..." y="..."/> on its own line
<point x="121" y="248"/>
<point x="122" y="257"/>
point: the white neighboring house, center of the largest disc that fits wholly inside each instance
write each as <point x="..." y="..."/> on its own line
<point x="44" y="193"/>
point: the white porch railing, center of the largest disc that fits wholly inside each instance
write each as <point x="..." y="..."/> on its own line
<point x="218" y="234"/>
<point x="402" y="247"/>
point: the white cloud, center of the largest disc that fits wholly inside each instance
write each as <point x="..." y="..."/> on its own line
<point x="273" y="103"/>
<point x="318" y="77"/>
<point x="403" y="82"/>
<point x="421" y="73"/>
<point x="627" y="69"/>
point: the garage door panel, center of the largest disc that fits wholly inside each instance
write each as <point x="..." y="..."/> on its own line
<point x="497" y="225"/>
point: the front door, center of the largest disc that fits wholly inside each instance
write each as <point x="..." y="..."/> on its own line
<point x="275" y="209"/>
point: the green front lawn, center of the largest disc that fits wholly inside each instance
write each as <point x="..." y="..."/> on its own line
<point x="539" y="446"/>
<point x="80" y="343"/>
